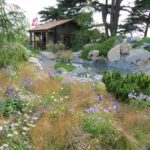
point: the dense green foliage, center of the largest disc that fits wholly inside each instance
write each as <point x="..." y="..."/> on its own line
<point x="103" y="47"/>
<point x="139" y="18"/>
<point x="12" y="23"/>
<point x="11" y="106"/>
<point x="68" y="67"/>
<point x="120" y="86"/>
<point x="12" y="53"/>
<point x="86" y="37"/>
<point x="12" y="30"/>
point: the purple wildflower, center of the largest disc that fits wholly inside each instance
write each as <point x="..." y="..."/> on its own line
<point x="105" y="110"/>
<point x="10" y="92"/>
<point x="92" y="110"/>
<point x="100" y="98"/>
<point x="116" y="107"/>
<point x="27" y="83"/>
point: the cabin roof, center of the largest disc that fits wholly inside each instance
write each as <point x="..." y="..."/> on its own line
<point x="50" y="25"/>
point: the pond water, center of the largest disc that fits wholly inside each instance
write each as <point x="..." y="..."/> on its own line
<point x="99" y="67"/>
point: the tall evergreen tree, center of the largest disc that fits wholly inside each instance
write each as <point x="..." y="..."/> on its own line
<point x="110" y="10"/>
<point x="139" y="19"/>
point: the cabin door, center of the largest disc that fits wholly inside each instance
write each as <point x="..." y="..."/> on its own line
<point x="67" y="41"/>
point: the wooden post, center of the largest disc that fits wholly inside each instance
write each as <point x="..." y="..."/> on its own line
<point x="31" y="38"/>
<point x="41" y="41"/>
<point x="55" y="35"/>
<point x="34" y="40"/>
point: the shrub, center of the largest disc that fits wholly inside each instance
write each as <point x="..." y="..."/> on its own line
<point x="86" y="37"/>
<point x="55" y="47"/>
<point x="102" y="47"/>
<point x="120" y="86"/>
<point x="68" y="67"/>
<point x="11" y="106"/>
<point x="11" y="53"/>
<point x="65" y="56"/>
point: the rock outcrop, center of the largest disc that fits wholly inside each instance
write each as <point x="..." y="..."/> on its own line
<point x="114" y="54"/>
<point x="140" y="58"/>
<point x="125" y="48"/>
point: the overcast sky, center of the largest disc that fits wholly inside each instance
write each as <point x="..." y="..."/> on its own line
<point x="32" y="7"/>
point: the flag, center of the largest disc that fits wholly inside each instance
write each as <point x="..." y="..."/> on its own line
<point x="35" y="21"/>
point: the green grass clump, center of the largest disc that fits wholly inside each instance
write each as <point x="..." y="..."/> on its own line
<point x="68" y="67"/>
<point x="102" y="47"/>
<point x="140" y="43"/>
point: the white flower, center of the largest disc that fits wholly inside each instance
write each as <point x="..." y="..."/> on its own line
<point x="9" y="135"/>
<point x="53" y="93"/>
<point x="1" y="128"/>
<point x="31" y="125"/>
<point x="34" y="118"/>
<point x="52" y="96"/>
<point x="25" y="128"/>
<point x="55" y="100"/>
<point x="24" y="133"/>
<point x="15" y="133"/>
<point x="5" y="145"/>
<point x="61" y="99"/>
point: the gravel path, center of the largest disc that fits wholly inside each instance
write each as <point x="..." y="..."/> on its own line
<point x="47" y="60"/>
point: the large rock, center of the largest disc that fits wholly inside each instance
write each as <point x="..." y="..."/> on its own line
<point x="93" y="55"/>
<point x="114" y="54"/>
<point x="33" y="60"/>
<point x="87" y="45"/>
<point x="125" y="48"/>
<point x="140" y="58"/>
<point x="36" y="62"/>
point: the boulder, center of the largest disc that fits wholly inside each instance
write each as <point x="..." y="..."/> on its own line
<point x="140" y="58"/>
<point x="87" y="45"/>
<point x="33" y="60"/>
<point x="93" y="55"/>
<point x="125" y="48"/>
<point x="114" y="54"/>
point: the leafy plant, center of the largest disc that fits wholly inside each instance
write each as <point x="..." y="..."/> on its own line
<point x="103" y="47"/>
<point x="11" y="53"/>
<point x="11" y="106"/>
<point x="120" y="86"/>
<point x="85" y="37"/>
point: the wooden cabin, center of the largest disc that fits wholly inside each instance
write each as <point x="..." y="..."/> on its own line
<point x="54" y="32"/>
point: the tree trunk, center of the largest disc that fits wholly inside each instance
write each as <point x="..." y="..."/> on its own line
<point x="114" y="19"/>
<point x="104" y="17"/>
<point x="147" y="26"/>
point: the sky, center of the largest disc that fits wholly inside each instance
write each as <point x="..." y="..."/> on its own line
<point x="32" y="7"/>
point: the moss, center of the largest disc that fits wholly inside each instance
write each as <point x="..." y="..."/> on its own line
<point x="68" y="67"/>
